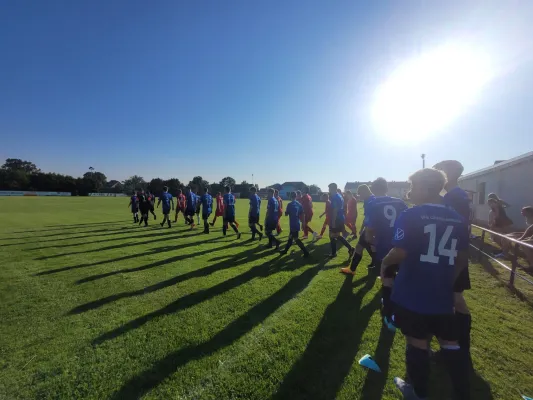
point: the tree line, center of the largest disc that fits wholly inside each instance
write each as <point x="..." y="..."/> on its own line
<point x="16" y="174"/>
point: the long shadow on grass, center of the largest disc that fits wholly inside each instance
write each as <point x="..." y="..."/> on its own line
<point x="82" y="234"/>
<point x="328" y="358"/>
<point x="159" y="263"/>
<point x="263" y="270"/>
<point x="153" y="251"/>
<point x="170" y="235"/>
<point x="149" y="379"/>
<point x="488" y="267"/>
<point x="231" y="262"/>
<point x="135" y="234"/>
<point x="72" y="226"/>
<point x="441" y="388"/>
<point x="375" y="382"/>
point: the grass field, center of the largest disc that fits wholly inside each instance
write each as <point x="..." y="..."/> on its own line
<point x="94" y="307"/>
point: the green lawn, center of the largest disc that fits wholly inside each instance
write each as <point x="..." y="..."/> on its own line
<point x="94" y="307"/>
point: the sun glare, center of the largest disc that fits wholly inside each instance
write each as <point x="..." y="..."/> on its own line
<point x="427" y="93"/>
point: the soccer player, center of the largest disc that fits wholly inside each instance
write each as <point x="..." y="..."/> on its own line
<point x="336" y="221"/>
<point x="280" y="202"/>
<point x="198" y="206"/>
<point x="430" y="245"/>
<point x="345" y="209"/>
<point x="367" y="196"/>
<point x="382" y="213"/>
<point x="220" y="208"/>
<point x="271" y="219"/>
<point x="458" y="199"/>
<point x="294" y="211"/>
<point x="307" y="204"/>
<point x="207" y="207"/>
<point x="351" y="212"/>
<point x="229" y="212"/>
<point x="325" y="198"/>
<point x="190" y="207"/>
<point x="151" y="200"/>
<point x="144" y="207"/>
<point x="134" y="203"/>
<point x="167" y="200"/>
<point x="182" y="203"/>
<point x="253" y="214"/>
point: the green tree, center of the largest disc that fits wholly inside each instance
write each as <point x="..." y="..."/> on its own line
<point x="314" y="189"/>
<point x="134" y="183"/>
<point x="13" y="164"/>
<point x="173" y="185"/>
<point x="156" y="186"/>
<point x="96" y="180"/>
<point x="198" y="182"/>
<point x="227" y="181"/>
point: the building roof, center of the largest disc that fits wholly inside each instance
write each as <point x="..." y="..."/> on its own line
<point x="391" y="185"/>
<point x="112" y="183"/>
<point x="499" y="166"/>
<point x="294" y="184"/>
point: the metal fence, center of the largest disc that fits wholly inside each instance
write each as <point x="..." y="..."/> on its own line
<point x="516" y="244"/>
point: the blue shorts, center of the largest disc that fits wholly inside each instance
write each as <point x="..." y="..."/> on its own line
<point x="166" y="211"/>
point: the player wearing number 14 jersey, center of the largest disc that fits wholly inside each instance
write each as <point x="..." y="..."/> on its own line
<point x="430" y="242"/>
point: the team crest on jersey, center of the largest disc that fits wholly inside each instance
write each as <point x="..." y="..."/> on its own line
<point x="399" y="234"/>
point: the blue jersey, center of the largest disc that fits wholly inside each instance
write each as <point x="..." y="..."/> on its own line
<point x="365" y="208"/>
<point x="381" y="214"/>
<point x="191" y="201"/>
<point x="207" y="204"/>
<point x="166" y="198"/>
<point x="294" y="210"/>
<point x="458" y="199"/>
<point x="255" y="204"/>
<point x="431" y="235"/>
<point x="134" y="202"/>
<point x="337" y="203"/>
<point x="229" y="204"/>
<point x="273" y="210"/>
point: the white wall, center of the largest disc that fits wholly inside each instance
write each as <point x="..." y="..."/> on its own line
<point x="513" y="184"/>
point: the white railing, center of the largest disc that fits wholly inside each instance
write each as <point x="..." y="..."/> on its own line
<point x="513" y="259"/>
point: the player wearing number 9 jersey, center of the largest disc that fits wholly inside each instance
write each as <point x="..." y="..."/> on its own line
<point x="430" y="241"/>
<point x="380" y="219"/>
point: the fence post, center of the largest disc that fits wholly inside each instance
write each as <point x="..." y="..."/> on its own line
<point x="481" y="245"/>
<point x="514" y="265"/>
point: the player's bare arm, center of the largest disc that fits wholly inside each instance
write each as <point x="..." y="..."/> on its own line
<point x="395" y="257"/>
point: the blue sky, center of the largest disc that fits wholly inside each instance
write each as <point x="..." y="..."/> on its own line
<point x="283" y="90"/>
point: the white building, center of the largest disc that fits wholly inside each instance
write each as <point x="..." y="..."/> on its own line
<point x="511" y="180"/>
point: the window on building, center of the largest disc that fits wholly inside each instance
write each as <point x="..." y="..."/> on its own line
<point x="481" y="192"/>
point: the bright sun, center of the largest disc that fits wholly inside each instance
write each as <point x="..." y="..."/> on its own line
<point x="428" y="92"/>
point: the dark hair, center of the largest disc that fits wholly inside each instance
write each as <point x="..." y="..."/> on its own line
<point x="276" y="192"/>
<point x="306" y="189"/>
<point x="227" y="189"/>
<point x="165" y="188"/>
<point x="293" y="195"/>
<point x="270" y="191"/>
<point x="379" y="186"/>
<point x="206" y="189"/>
<point x="332" y="185"/>
<point x="527" y="211"/>
<point x="253" y="189"/>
